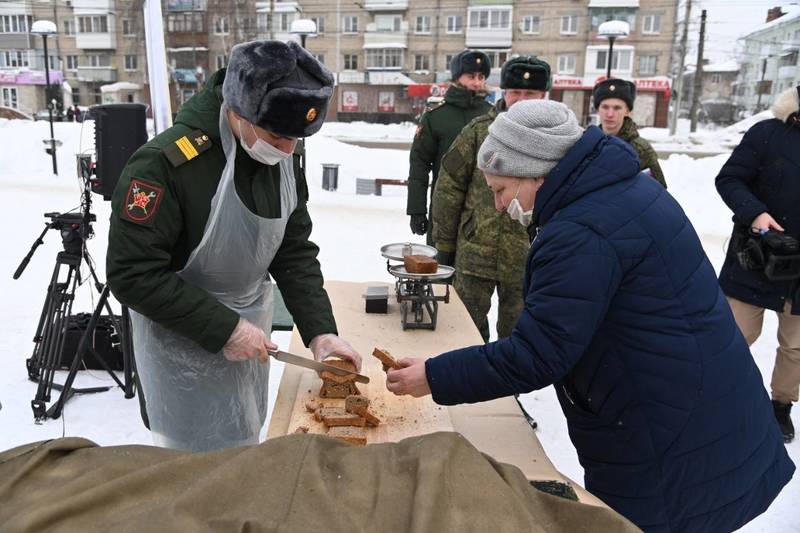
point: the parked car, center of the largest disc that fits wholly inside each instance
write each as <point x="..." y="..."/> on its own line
<point x="43" y="114"/>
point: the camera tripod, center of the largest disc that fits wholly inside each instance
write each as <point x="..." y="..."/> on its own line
<point x="51" y="332"/>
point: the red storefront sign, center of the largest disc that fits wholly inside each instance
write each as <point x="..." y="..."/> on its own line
<point x="424" y="90"/>
<point x="350" y="101"/>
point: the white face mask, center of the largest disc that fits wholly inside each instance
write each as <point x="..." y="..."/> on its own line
<point x="261" y="151"/>
<point x="515" y="211"/>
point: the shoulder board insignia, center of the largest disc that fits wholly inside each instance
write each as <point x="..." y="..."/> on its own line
<point x="187" y="147"/>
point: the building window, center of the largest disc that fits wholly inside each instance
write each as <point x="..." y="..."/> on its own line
<point x="388" y="23"/>
<point x="716" y="78"/>
<point x="72" y="62"/>
<point x="351" y="62"/>
<point x="93" y="24"/>
<point x="222" y="62"/>
<point x="530" y="24"/>
<point x="285" y="22"/>
<point x="99" y="60"/>
<point x="423" y="24"/>
<point x="651" y="24"/>
<point x="388" y="58"/>
<point x="620" y="61"/>
<point x="15" y="24"/>
<point x="566" y="64"/>
<point x="97" y="94"/>
<point x="221" y="26"/>
<point x="76" y="95"/>
<point x="186" y="22"/>
<point x="69" y="27"/>
<point x="569" y="24"/>
<point x="647" y="65"/>
<point x="422" y="62"/>
<point x="9" y="95"/>
<point x="496" y="19"/>
<point x="320" y="22"/>
<point x="599" y="15"/>
<point x="455" y="24"/>
<point x="128" y="28"/>
<point x="130" y="62"/>
<point x="14" y="58"/>
<point x="496" y="58"/>
<point x="448" y="58"/>
<point x="350" y="24"/>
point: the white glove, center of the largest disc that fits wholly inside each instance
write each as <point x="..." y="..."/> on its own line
<point x="247" y="341"/>
<point x="327" y="345"/>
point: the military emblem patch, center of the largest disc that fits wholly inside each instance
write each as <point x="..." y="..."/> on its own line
<point x="141" y="202"/>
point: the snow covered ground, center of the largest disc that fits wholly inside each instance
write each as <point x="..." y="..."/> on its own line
<point x="358" y="225"/>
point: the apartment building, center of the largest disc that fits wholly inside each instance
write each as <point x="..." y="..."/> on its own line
<point x="768" y="60"/>
<point x="389" y="56"/>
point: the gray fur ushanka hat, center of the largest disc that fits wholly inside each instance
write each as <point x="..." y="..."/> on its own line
<point x="278" y="86"/>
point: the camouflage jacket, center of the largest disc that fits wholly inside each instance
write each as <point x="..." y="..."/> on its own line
<point x="647" y="155"/>
<point x="437" y="128"/>
<point x="487" y="242"/>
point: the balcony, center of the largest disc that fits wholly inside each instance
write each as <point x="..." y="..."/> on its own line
<point x="96" y="41"/>
<point x="185" y="5"/>
<point x="375" y="38"/>
<point x="489" y="27"/>
<point x="94" y="7"/>
<point x="97" y="74"/>
<point x="386" y="5"/>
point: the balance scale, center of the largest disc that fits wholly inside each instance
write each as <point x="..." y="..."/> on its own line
<point x="418" y="303"/>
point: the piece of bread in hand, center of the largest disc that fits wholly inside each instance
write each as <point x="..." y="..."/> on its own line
<point x="386" y="358"/>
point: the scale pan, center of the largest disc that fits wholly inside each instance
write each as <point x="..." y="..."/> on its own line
<point x="394" y="251"/>
<point x="442" y="272"/>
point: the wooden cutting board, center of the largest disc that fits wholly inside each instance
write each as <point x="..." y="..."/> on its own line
<point x="401" y="416"/>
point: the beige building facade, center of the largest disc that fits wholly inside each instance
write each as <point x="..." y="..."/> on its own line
<point x="389" y="55"/>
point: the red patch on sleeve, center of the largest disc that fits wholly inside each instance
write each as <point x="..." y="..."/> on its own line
<point x="142" y="201"/>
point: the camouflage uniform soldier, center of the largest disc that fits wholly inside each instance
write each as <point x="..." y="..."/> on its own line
<point x="613" y="99"/>
<point x="464" y="100"/>
<point x="487" y="248"/>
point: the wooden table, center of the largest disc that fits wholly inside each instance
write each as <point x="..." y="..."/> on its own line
<point x="497" y="428"/>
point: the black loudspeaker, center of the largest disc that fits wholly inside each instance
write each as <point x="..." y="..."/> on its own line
<point x="119" y="130"/>
<point x="104" y="341"/>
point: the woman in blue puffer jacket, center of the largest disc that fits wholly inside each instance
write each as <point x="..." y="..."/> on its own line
<point x="624" y="316"/>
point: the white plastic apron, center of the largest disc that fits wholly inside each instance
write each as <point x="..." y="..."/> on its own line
<point x="197" y="400"/>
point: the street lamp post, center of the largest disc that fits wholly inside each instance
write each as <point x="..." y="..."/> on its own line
<point x="45" y="28"/>
<point x="612" y="30"/>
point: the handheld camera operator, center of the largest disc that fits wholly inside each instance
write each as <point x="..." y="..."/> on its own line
<point x="760" y="184"/>
<point x="203" y="217"/>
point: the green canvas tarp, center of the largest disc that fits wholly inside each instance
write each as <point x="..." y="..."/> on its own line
<point x="304" y="483"/>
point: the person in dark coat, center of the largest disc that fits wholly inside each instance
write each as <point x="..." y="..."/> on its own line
<point x="759" y="182"/>
<point x="464" y="100"/>
<point x="624" y="316"/>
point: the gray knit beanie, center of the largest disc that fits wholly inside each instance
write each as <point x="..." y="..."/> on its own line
<point x="529" y="139"/>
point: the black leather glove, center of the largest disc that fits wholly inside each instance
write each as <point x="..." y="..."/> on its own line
<point x="419" y="224"/>
<point x="446" y="258"/>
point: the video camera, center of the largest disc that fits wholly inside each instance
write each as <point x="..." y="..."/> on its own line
<point x="774" y="253"/>
<point x="74" y="228"/>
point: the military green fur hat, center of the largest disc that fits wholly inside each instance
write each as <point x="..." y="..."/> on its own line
<point x="526" y="72"/>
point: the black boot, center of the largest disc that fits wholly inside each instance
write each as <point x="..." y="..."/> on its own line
<point x="783" y="416"/>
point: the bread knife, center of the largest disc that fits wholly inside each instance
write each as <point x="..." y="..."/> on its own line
<point x="292" y="359"/>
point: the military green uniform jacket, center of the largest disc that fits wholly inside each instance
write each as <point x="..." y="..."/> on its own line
<point x="487" y="242"/>
<point x="647" y="155"/>
<point x="438" y="127"/>
<point x="159" y="213"/>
